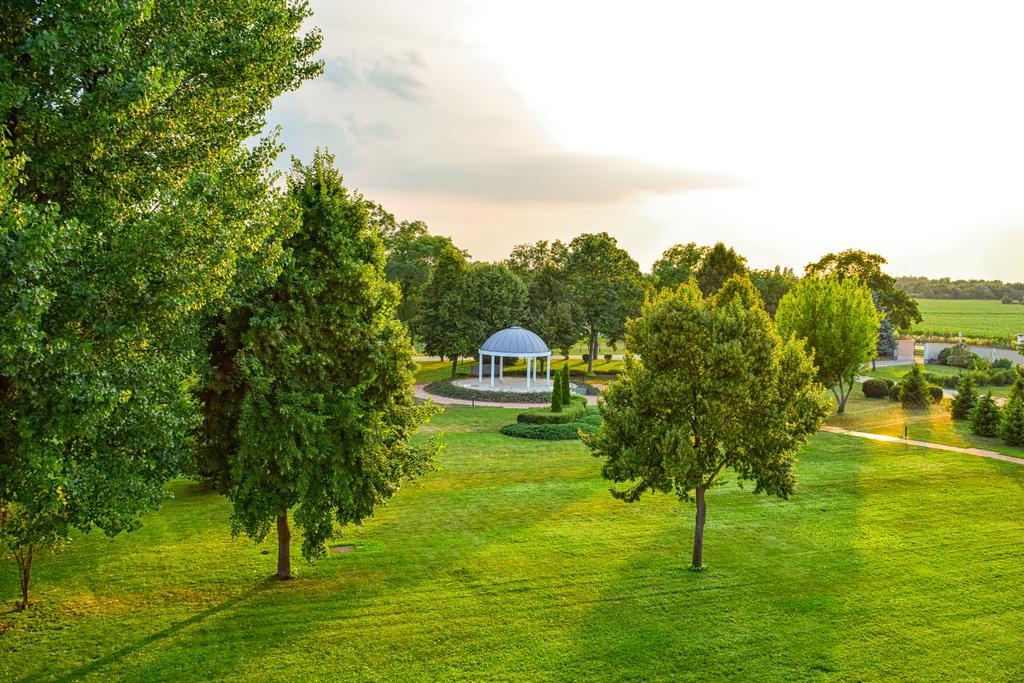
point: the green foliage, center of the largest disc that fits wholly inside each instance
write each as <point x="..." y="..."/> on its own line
<point x="606" y="284"/>
<point x="837" y="320"/>
<point x="565" y="387"/>
<point x="135" y="201"/>
<point x="677" y="265"/>
<point x="936" y="393"/>
<point x="887" y="342"/>
<point x="901" y="310"/>
<point x="914" y="389"/>
<point x="773" y="285"/>
<point x="958" y="356"/>
<point x="556" y="400"/>
<point x="965" y="399"/>
<point x="587" y="421"/>
<point x="719" y="264"/>
<point x="552" y="312"/>
<point x="708" y="384"/>
<point x="895" y="391"/>
<point x="325" y="373"/>
<point x="463" y="303"/>
<point x="1012" y="426"/>
<point x="986" y="417"/>
<point x="412" y="253"/>
<point x="570" y="413"/>
<point x="875" y="388"/>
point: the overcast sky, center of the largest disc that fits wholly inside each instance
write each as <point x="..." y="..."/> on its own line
<point x="784" y="129"/>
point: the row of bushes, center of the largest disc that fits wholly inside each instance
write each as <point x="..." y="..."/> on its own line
<point x="911" y="394"/>
<point x="588" y="424"/>
<point x="447" y="388"/>
<point x="996" y="377"/>
<point x="607" y="358"/>
<point x="542" y="416"/>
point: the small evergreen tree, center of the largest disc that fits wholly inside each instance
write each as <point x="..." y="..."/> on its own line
<point x="556" y="399"/>
<point x="985" y="417"/>
<point x="914" y="390"/>
<point x="965" y="399"/>
<point x="1012" y="427"/>
<point x="566" y="392"/>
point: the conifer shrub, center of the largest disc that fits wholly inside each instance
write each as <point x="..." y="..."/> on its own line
<point x="986" y="417"/>
<point x="914" y="390"/>
<point x="967" y="396"/>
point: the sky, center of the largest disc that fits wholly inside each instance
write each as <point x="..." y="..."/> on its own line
<point x="784" y="129"/>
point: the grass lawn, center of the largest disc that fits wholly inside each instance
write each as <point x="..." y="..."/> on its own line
<point x="512" y="561"/>
<point x="935" y="425"/>
<point x="975" y="318"/>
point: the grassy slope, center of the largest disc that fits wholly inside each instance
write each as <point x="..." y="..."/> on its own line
<point x="513" y="561"/>
<point x="974" y="317"/>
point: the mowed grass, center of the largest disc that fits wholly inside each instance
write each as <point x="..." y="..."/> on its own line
<point x="511" y="561"/>
<point x="934" y="424"/>
<point x="975" y="318"/>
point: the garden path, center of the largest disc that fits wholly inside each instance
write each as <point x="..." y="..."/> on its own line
<point x="980" y="452"/>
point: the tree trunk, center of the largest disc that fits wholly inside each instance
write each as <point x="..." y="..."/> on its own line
<point x="842" y="397"/>
<point x="874" y="365"/>
<point x="455" y="366"/>
<point x="284" y="548"/>
<point x="698" y="532"/>
<point x="23" y="558"/>
<point x="593" y="351"/>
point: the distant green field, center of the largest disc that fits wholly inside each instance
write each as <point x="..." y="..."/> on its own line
<point x="975" y="318"/>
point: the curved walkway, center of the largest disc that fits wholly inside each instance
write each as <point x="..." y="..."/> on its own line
<point x="421" y="392"/>
<point x="980" y="452"/>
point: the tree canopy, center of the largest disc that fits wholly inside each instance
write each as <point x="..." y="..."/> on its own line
<point x="141" y="201"/>
<point x="607" y="286"/>
<point x="677" y="265"/>
<point x="321" y="408"/>
<point x="719" y="264"/>
<point x="838" y="321"/>
<point x="708" y="385"/>
<point x="901" y="309"/>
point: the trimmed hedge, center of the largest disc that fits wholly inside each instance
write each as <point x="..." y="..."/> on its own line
<point x="445" y="387"/>
<point x="894" y="392"/>
<point x="936" y="393"/>
<point x="542" y="416"/>
<point x="875" y="388"/>
<point x="588" y="424"/>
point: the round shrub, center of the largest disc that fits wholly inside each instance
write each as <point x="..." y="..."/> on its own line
<point x="586" y="358"/>
<point x="875" y="388"/>
<point x="1002" y="364"/>
<point x="588" y="423"/>
<point x="889" y="383"/>
<point x="936" y="393"/>
<point x="540" y="416"/>
<point x="894" y="392"/>
<point x="607" y="358"/>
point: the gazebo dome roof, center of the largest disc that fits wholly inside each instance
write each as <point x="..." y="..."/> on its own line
<point x="515" y="341"/>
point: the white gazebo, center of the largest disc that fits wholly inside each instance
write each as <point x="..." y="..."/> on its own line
<point x="515" y="342"/>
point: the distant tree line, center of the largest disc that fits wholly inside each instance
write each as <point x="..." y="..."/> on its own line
<point x="945" y="288"/>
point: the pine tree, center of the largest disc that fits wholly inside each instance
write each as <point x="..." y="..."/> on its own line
<point x="914" y="390"/>
<point x="965" y="399"/>
<point x="1012" y="427"/>
<point x="985" y="417"/>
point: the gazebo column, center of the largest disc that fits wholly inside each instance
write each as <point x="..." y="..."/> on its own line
<point x="547" y="366"/>
<point x="501" y="368"/>
<point x="480" y="366"/>
<point x="528" y="372"/>
<point x="492" y="371"/>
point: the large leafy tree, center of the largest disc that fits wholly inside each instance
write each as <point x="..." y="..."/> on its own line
<point x="838" y="321"/>
<point x="718" y="265"/>
<point x="901" y="309"/>
<point x="606" y="285"/>
<point x="126" y="126"/>
<point x="552" y="312"/>
<point x="412" y="252"/>
<point x="773" y="285"/>
<point x="319" y="370"/>
<point x="709" y="385"/>
<point x="677" y="265"/>
<point x="496" y="298"/>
